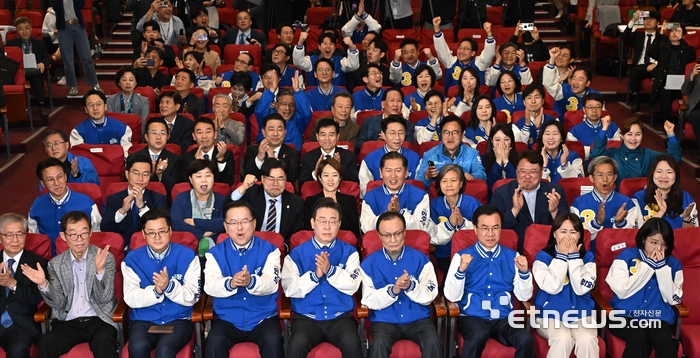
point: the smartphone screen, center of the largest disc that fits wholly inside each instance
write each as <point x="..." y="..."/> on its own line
<point x="150" y="62"/>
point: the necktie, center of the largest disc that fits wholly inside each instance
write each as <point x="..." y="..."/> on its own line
<point x="327" y="156"/>
<point x="241" y="39"/>
<point x="271" y="216"/>
<point x="5" y="319"/>
<point x="154" y="157"/>
<point x="170" y="125"/>
<point x="25" y="45"/>
<point x="646" y="50"/>
<point x="206" y="156"/>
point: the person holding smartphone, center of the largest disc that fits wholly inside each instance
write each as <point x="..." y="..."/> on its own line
<point x="686" y="13"/>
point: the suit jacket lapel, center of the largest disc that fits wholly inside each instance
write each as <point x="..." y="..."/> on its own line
<point x="542" y="205"/>
<point x="89" y="273"/>
<point x="283" y="215"/>
<point x="67" y="276"/>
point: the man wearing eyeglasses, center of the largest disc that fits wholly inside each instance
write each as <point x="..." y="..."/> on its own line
<point x="80" y="291"/>
<point x="398" y="286"/>
<point x="392" y="104"/>
<point x="161" y="285"/>
<point x="100" y="129"/>
<point x="81" y="170"/>
<point x="394" y="133"/>
<point x="321" y="276"/>
<point x="567" y="96"/>
<point x="244" y="62"/>
<point x="46" y="210"/>
<point x="529" y="200"/>
<point x="19" y="296"/>
<point x="320" y="97"/>
<point x="587" y="131"/>
<point x="242" y="274"/>
<point x="166" y="166"/>
<point x="395" y="195"/>
<point x="604" y="207"/>
<point x="480" y="280"/>
<point x="124" y="209"/>
<point x="451" y="151"/>
<point x="275" y="208"/>
<point x="274" y="131"/>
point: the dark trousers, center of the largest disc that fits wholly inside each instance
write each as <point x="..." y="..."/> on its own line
<point x="267" y="335"/>
<point x="15" y="341"/>
<point x="476" y="332"/>
<point x="636" y="75"/>
<point x="101" y="336"/>
<point x="340" y="332"/>
<point x="641" y="341"/>
<point x="37" y="84"/>
<point x="665" y="100"/>
<point x="404" y="23"/>
<point x="694" y="119"/>
<point x="141" y="343"/>
<point x="421" y="332"/>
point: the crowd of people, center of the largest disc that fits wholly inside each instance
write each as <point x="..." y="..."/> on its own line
<point x="407" y="175"/>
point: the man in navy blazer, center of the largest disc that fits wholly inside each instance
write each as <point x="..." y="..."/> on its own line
<point x="30" y="45"/>
<point x="19" y="296"/>
<point x="392" y="103"/>
<point x="125" y="208"/>
<point x="529" y="200"/>
<point x="327" y="133"/>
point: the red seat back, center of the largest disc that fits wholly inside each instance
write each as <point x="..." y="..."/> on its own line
<point x="183" y="238"/>
<point x="477" y="188"/>
<point x="89" y="189"/>
<point x="396" y="36"/>
<point x="231" y="53"/>
<point x="574" y="186"/>
<point x="609" y="244"/>
<point x="133" y="121"/>
<point x="316" y="15"/>
<point x="426" y="146"/>
<point x="361" y="116"/>
<point x="630" y="186"/>
<point x="416" y="116"/>
<point x="537" y="237"/>
<point x="303" y="236"/>
<point x="39" y="244"/>
<point x="686" y="249"/>
<point x="501" y="182"/>
<point x="15" y="54"/>
<point x="150" y="95"/>
<point x="417" y="239"/>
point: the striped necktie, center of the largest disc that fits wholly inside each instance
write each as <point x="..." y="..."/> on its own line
<point x="271" y="216"/>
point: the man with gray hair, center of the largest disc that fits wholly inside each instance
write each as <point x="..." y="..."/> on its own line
<point x="228" y="130"/>
<point x="19" y="296"/>
<point x="603" y="207"/>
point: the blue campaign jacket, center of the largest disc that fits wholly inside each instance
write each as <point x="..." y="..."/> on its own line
<point x="364" y="100"/>
<point x="648" y="211"/>
<point x="468" y="158"/>
<point x="295" y="125"/>
<point x="320" y="101"/>
<point x="440" y="212"/>
<point x="182" y="209"/>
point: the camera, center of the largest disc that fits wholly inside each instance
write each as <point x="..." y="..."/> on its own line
<point x="528" y="26"/>
<point x="202" y="37"/>
<point x="644" y="14"/>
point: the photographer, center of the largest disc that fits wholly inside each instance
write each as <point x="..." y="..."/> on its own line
<point x="535" y="49"/>
<point x="151" y="38"/>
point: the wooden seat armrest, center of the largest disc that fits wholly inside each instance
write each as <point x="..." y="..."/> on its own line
<point x="27" y="85"/>
<point x="208" y="311"/>
<point x="440" y="306"/>
<point x="286" y="308"/>
<point x="681" y="310"/>
<point x="3" y="110"/>
<point x="454" y="310"/>
<point x="362" y="311"/>
<point x="118" y="315"/>
<point x="43" y="313"/>
<point x="600" y="302"/>
<point x="683" y="103"/>
<point x="199" y="308"/>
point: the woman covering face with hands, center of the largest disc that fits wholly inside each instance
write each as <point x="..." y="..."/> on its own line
<point x="647" y="279"/>
<point x="501" y="157"/>
<point x="565" y="272"/>
<point x="663" y="196"/>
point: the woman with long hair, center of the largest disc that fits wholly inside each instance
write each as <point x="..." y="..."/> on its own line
<point x="329" y="174"/>
<point x="663" y="197"/>
<point x="482" y="119"/>
<point x="559" y="162"/>
<point x="424" y="79"/>
<point x="565" y="272"/>
<point x="511" y="99"/>
<point x="501" y="157"/>
<point x="467" y="90"/>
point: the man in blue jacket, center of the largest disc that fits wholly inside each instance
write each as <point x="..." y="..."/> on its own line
<point x="100" y="129"/>
<point x="125" y="209"/>
<point x="242" y="275"/>
<point x="81" y="170"/>
<point x="322" y="275"/>
<point x="451" y="151"/>
<point x="161" y="285"/>
<point x="480" y="279"/>
<point x="529" y="200"/>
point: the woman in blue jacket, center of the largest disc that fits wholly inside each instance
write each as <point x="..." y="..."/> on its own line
<point x="482" y="119"/>
<point x="663" y="197"/>
<point x="634" y="161"/>
<point x="199" y="210"/>
<point x="565" y="272"/>
<point x="511" y="99"/>
<point x="647" y="281"/>
<point x="501" y="157"/>
<point x="559" y="161"/>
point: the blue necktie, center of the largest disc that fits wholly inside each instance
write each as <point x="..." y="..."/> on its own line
<point x="154" y="157"/>
<point x="241" y="39"/>
<point x="206" y="156"/>
<point x="271" y="216"/>
<point x="5" y="319"/>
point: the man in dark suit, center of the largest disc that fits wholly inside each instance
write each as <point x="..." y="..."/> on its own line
<point x="392" y="103"/>
<point x="88" y="272"/>
<point x="274" y="208"/>
<point x="166" y="165"/>
<point x="30" y="45"/>
<point x="640" y="41"/>
<point x="180" y="128"/>
<point x="528" y="200"/>
<point x="184" y="81"/>
<point x="205" y="136"/>
<point x="19" y="296"/>
<point x="274" y="130"/>
<point x="243" y="34"/>
<point x="327" y="135"/>
<point x="125" y="208"/>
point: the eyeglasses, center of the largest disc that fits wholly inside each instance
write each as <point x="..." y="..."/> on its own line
<point x="59" y="178"/>
<point x="374" y="73"/>
<point x="464" y="48"/>
<point x="157" y="133"/>
<point x="54" y="144"/>
<point x="140" y="174"/>
<point x="95" y="104"/>
<point x="607" y="175"/>
<point x="243" y="222"/>
<point x="13" y="236"/>
<point x="509" y="53"/>
<point x="279" y="180"/>
<point x="486" y="229"/>
<point x="396" y="134"/>
<point x="242" y="62"/>
<point x="286" y="104"/>
<point x="324" y="70"/>
<point x="393" y="235"/>
<point x="279" y="52"/>
<point x="597" y="108"/>
<point x="324" y="222"/>
<point x="450" y="133"/>
<point x="529" y="171"/>
<point x="152" y="234"/>
<point x="503" y="82"/>
<point x="658" y="244"/>
<point x="79" y="237"/>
